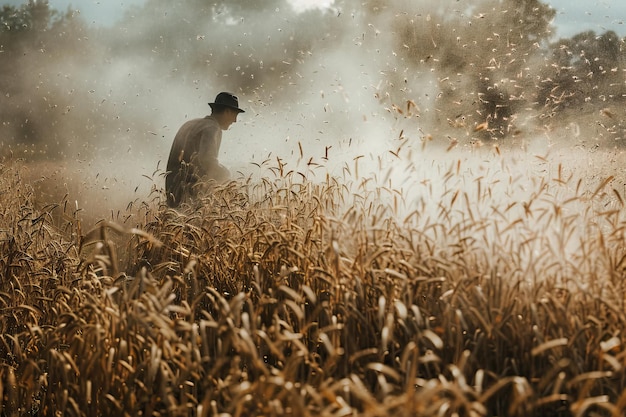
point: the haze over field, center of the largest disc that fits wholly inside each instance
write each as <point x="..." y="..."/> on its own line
<point x="571" y="17"/>
<point x="378" y="87"/>
<point x="427" y="216"/>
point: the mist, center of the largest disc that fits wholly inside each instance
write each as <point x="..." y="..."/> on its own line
<point x="394" y="93"/>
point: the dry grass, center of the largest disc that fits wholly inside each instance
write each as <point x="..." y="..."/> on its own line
<point x="285" y="296"/>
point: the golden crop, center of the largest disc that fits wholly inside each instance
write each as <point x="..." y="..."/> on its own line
<point x="292" y="297"/>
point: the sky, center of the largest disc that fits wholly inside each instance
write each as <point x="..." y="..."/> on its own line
<point x="573" y="16"/>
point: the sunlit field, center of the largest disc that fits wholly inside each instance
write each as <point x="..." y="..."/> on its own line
<point x="425" y="216"/>
<point x="488" y="283"/>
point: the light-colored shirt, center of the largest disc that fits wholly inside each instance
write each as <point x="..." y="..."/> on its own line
<point x="194" y="158"/>
<point x="197" y="143"/>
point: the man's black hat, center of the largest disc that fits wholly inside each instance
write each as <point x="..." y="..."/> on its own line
<point x="228" y="100"/>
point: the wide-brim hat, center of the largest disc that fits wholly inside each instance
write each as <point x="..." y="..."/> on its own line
<point x="227" y="100"/>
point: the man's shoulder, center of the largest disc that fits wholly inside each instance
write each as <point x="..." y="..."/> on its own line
<point x="207" y="121"/>
<point x="194" y="121"/>
<point x="199" y="124"/>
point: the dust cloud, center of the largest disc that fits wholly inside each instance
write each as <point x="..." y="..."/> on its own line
<point x="398" y="92"/>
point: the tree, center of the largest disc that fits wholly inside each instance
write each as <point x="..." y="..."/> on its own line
<point x="28" y="23"/>
<point x="583" y="69"/>
<point x="482" y="55"/>
<point x="31" y="36"/>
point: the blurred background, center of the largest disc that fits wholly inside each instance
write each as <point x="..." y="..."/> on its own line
<point x="93" y="92"/>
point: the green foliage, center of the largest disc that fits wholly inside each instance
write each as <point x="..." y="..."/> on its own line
<point x="586" y="67"/>
<point x="28" y="22"/>
<point x="489" y="65"/>
<point x="483" y="58"/>
<point x="32" y="37"/>
<point x="25" y="18"/>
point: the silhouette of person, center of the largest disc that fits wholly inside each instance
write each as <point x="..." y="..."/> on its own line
<point x="193" y="157"/>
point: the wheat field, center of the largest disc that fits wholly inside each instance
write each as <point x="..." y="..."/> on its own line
<point x="493" y="289"/>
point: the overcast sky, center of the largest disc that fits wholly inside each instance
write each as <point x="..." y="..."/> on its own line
<point x="573" y="16"/>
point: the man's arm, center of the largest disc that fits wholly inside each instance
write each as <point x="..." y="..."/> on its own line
<point x="207" y="161"/>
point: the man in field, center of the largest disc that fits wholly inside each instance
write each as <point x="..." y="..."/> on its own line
<point x="193" y="157"/>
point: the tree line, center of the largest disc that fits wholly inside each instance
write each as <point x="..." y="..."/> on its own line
<point x="493" y="61"/>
